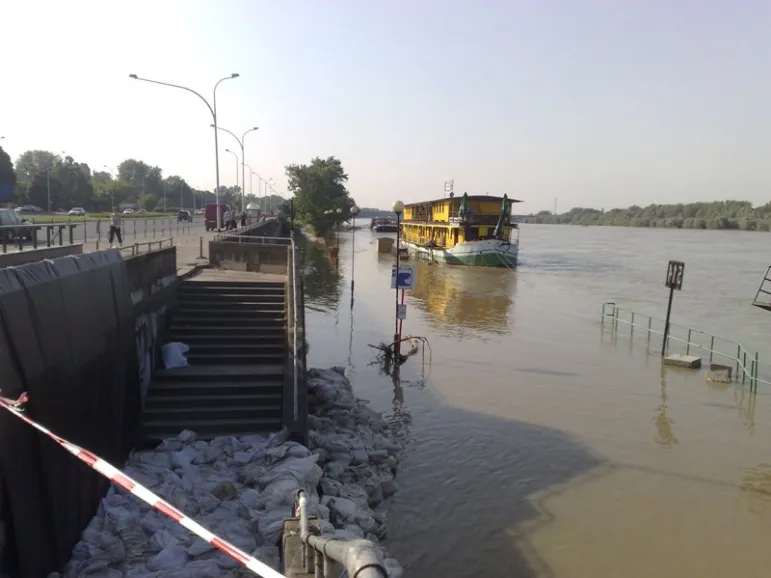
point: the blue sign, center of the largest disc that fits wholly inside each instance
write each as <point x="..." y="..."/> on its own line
<point x="406" y="277"/>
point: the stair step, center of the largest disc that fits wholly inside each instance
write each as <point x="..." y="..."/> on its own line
<point x="205" y="428"/>
<point x="245" y="348"/>
<point x="247" y="372"/>
<point x="192" y="336"/>
<point x="231" y="303"/>
<point x="228" y="287"/>
<point x="232" y="358"/>
<point x="213" y="387"/>
<point x="186" y="297"/>
<point x="191" y="397"/>
<point x="225" y="323"/>
<point x="228" y="312"/>
<point x="203" y="412"/>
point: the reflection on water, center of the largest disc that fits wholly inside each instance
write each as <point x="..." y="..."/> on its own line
<point x="322" y="278"/>
<point x="664" y="435"/>
<point x="460" y="298"/>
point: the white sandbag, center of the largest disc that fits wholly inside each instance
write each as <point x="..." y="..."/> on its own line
<point x="174" y="355"/>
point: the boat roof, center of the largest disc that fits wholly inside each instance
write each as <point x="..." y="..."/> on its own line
<point x="459" y="197"/>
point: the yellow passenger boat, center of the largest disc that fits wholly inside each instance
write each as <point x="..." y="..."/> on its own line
<point x="471" y="230"/>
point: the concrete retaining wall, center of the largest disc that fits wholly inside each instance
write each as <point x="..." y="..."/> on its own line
<point x="72" y="331"/>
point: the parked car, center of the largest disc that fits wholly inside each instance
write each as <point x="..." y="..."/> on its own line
<point x="77" y="212"/>
<point x="10" y="218"/>
<point x="141" y="211"/>
<point x="128" y="211"/>
<point x="184" y="217"/>
<point x="27" y="209"/>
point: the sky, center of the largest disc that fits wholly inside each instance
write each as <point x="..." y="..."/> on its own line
<point x="594" y="103"/>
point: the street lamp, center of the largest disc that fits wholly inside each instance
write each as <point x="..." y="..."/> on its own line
<point x="213" y="110"/>
<point x="339" y="212"/>
<point x="251" y="172"/>
<point x="354" y="212"/>
<point x="237" y="163"/>
<point x="243" y="156"/>
<point x="398" y="208"/>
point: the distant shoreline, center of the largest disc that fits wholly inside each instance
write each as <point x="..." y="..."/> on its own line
<point x="765" y="228"/>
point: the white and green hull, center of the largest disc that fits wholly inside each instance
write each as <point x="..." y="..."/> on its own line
<point x="486" y="253"/>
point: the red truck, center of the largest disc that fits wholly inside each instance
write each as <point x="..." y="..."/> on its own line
<point x="211" y="216"/>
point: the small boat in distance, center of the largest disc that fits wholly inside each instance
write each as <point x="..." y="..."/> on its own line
<point x="472" y="230"/>
<point x="383" y="225"/>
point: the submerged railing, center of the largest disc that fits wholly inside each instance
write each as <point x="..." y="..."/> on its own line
<point x="718" y="348"/>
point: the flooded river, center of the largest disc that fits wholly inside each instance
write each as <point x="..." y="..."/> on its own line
<point x="538" y="445"/>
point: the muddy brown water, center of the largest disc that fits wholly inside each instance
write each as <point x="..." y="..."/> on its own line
<point x="537" y="444"/>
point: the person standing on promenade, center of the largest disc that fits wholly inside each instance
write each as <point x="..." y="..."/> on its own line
<point x="115" y="228"/>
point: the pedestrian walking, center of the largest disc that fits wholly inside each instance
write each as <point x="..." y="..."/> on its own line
<point x="115" y="228"/>
<point x="243" y="220"/>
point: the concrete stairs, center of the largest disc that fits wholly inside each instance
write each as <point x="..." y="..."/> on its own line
<point x="234" y="384"/>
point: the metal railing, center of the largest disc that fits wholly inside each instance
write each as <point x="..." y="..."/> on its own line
<point x="136" y="248"/>
<point x="16" y="235"/>
<point x="746" y="362"/>
<point x="325" y="557"/>
<point x="252" y="239"/>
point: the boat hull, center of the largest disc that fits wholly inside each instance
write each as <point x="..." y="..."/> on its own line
<point x="486" y="253"/>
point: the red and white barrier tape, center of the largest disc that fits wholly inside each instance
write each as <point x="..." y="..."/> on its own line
<point x="130" y="485"/>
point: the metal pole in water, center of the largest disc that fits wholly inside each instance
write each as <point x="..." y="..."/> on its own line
<point x="744" y="366"/>
<point x="711" y="347"/>
<point x="666" y="323"/>
<point x="398" y="207"/>
<point x="688" y="343"/>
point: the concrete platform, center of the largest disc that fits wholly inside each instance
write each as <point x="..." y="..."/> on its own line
<point x="223" y="275"/>
<point x="688" y="361"/>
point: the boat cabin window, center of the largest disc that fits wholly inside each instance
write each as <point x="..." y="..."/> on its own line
<point x="472" y="233"/>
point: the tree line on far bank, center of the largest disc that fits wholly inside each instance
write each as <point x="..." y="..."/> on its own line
<point x="738" y="215"/>
<point x="134" y="183"/>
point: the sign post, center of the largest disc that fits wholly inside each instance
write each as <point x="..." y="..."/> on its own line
<point x="674" y="282"/>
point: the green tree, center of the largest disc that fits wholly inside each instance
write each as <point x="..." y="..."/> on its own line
<point x="7" y="176"/>
<point x="319" y="187"/>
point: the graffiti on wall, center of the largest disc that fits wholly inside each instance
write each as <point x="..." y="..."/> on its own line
<point x="147" y="334"/>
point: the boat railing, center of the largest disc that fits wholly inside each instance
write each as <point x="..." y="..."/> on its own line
<point x="691" y="340"/>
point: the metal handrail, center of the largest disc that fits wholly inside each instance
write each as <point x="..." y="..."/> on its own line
<point x="296" y="386"/>
<point x="360" y="558"/>
<point x="134" y="247"/>
<point x="612" y="311"/>
<point x="261" y="240"/>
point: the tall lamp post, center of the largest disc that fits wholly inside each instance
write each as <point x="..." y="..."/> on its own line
<point x="398" y="208"/>
<point x="213" y="110"/>
<point x="354" y="212"/>
<point x="243" y="157"/>
<point x="251" y="172"/>
<point x="235" y="156"/>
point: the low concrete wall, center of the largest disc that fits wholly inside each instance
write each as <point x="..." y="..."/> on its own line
<point x="152" y="280"/>
<point x="254" y="257"/>
<point x="32" y="255"/>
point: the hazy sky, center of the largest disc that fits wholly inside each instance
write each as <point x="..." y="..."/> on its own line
<point x="597" y="103"/>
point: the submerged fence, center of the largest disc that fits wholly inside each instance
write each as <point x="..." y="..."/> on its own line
<point x="719" y="349"/>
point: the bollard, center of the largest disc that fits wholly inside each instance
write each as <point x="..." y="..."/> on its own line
<point x="145" y="228"/>
<point x="135" y="228"/>
<point x="72" y="234"/>
<point x="200" y="243"/>
<point x="154" y="228"/>
<point x="85" y="230"/>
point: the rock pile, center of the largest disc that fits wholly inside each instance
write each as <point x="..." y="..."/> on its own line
<point x="242" y="489"/>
